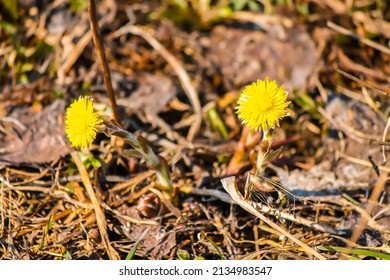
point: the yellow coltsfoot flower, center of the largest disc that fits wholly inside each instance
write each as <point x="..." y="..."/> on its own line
<point x="262" y="104"/>
<point x="82" y="122"/>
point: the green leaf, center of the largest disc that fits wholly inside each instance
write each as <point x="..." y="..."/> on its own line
<point x="57" y="93"/>
<point x="66" y="255"/>
<point x="131" y="253"/>
<point x="303" y="9"/>
<point x="25" y="67"/>
<point x="253" y="6"/>
<point x="183" y="255"/>
<point x="89" y="160"/>
<point x="216" y="122"/>
<point x="70" y="188"/>
<point x="49" y="224"/>
<point x="78" y="5"/>
<point x="355" y="251"/>
<point x="214" y="245"/>
<point x="95" y="162"/>
<point x="239" y="5"/>
<point x="222" y="13"/>
<point x="10" y="7"/>
<point x="31" y="208"/>
<point x="8" y="28"/>
<point x="87" y="87"/>
<point x="42" y="49"/>
<point x="307" y="103"/>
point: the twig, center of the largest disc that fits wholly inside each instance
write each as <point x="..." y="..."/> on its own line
<point x="364" y="83"/>
<point x="177" y="67"/>
<point x="230" y="186"/>
<point x="14" y="121"/>
<point x="355" y="134"/>
<point x="384" y="140"/>
<point x="365" y="41"/>
<point x="128" y="218"/>
<point x="222" y="196"/>
<point x="378" y="188"/>
<point x="365" y="215"/>
<point x="362" y="162"/>
<point x="77" y="50"/>
<point x="166" y="202"/>
<point x="265" y="21"/>
<point x="102" y="58"/>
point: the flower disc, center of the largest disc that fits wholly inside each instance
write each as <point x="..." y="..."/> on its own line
<point x="262" y="104"/>
<point x="82" y="122"/>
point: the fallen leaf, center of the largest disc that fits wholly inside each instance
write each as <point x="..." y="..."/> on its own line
<point x="245" y="56"/>
<point x="29" y="137"/>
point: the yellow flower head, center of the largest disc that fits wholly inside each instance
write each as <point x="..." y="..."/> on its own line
<point x="81" y="122"/>
<point x="262" y="104"/>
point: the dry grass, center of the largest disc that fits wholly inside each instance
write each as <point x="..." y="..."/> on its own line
<point x="167" y="78"/>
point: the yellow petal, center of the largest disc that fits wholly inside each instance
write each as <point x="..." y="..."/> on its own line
<point x="81" y="122"/>
<point x="262" y="104"/>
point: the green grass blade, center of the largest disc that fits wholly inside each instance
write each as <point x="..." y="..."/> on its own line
<point x="355" y="251"/>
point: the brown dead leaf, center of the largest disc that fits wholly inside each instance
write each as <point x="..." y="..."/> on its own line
<point x="245" y="56"/>
<point x="164" y="246"/>
<point x="156" y="243"/>
<point x="28" y="137"/>
<point x="152" y="94"/>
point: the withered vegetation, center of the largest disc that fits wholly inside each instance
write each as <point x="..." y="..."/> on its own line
<point x="177" y="72"/>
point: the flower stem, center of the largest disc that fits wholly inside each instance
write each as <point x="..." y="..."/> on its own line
<point x="143" y="150"/>
<point x="262" y="156"/>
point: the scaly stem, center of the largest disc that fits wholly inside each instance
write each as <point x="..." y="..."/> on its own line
<point x="261" y="162"/>
<point x="143" y="150"/>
